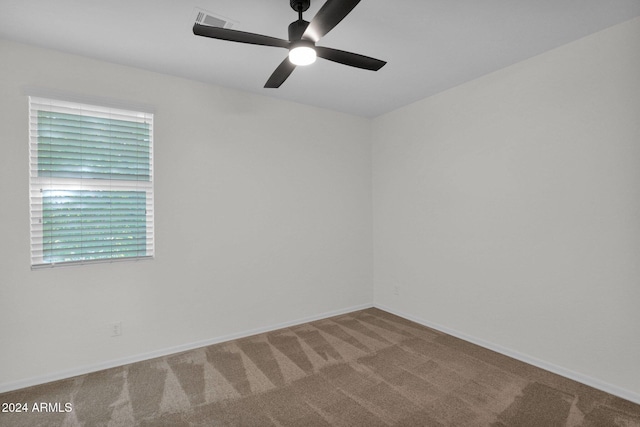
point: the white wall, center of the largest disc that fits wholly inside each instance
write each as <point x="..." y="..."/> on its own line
<point x="263" y="217"/>
<point x="505" y="210"/>
<point x="508" y="209"/>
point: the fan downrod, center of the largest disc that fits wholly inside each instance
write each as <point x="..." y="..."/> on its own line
<point x="297" y="28"/>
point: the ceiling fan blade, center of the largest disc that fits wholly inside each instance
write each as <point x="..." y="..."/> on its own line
<point x="280" y="74"/>
<point x="329" y="15"/>
<point x="348" y="58"/>
<point x="238" y="36"/>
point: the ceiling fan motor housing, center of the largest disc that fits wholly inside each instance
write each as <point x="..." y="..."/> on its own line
<point x="300" y="5"/>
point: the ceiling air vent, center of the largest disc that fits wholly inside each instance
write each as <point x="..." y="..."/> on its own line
<point x="207" y="18"/>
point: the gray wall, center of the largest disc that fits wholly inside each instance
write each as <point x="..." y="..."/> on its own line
<point x="508" y="209"/>
<point x="263" y="217"/>
<point x="505" y="210"/>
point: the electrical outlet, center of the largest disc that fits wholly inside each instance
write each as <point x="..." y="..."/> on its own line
<point x="116" y="329"/>
<point x="396" y="290"/>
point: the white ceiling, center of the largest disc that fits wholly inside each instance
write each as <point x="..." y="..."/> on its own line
<point x="430" y="45"/>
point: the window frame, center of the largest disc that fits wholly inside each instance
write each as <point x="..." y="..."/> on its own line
<point x="39" y="184"/>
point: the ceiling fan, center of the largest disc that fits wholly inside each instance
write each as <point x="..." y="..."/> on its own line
<point x="303" y="37"/>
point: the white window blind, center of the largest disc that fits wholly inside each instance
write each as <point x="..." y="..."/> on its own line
<point x="91" y="183"/>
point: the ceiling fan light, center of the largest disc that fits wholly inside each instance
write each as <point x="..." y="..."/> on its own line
<point x="302" y="55"/>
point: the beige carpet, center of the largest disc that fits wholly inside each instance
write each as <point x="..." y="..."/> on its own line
<point x="367" y="368"/>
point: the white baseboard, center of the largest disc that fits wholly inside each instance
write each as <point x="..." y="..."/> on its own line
<point x="567" y="373"/>
<point x="86" y="369"/>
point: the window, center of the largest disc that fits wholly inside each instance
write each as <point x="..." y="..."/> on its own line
<point x="91" y="183"/>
